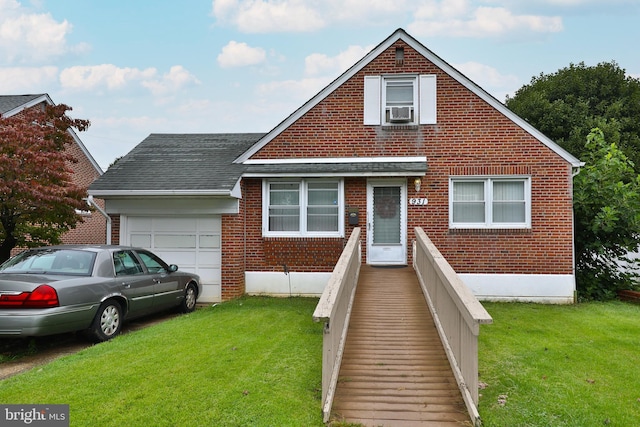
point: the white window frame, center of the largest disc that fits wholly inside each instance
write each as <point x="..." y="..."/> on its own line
<point x="488" y="202"/>
<point x="424" y="99"/>
<point x="303" y="200"/>
<point x="386" y="107"/>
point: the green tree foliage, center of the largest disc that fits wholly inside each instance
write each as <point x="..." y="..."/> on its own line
<point x="607" y="219"/>
<point x="37" y="196"/>
<point x="567" y="104"/>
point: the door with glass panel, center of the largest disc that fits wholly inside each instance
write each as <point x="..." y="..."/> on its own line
<point x="386" y="222"/>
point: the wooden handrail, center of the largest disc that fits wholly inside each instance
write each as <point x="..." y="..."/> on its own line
<point x="334" y="309"/>
<point x="457" y="314"/>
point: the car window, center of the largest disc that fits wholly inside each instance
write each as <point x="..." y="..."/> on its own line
<point x="126" y="264"/>
<point x="51" y="261"/>
<point x="152" y="262"/>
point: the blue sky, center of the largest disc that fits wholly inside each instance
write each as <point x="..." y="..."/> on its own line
<point x="159" y="66"/>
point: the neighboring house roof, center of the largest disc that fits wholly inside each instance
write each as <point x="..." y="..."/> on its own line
<point x="11" y="105"/>
<point x="178" y="165"/>
<point x="400" y="34"/>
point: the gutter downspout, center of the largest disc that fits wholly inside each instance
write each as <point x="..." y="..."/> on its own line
<point x="574" y="172"/>
<point x="92" y="203"/>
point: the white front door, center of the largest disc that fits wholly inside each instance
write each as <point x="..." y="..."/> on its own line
<point x="387" y="222"/>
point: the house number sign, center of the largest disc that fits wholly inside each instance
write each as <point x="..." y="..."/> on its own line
<point x="418" y="201"/>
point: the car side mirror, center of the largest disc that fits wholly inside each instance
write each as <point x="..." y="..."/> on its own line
<point x="173" y="268"/>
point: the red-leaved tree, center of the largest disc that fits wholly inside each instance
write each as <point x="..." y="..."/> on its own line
<point x="38" y="199"/>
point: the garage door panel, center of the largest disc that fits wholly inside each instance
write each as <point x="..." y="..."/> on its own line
<point x="175" y="224"/>
<point x="179" y="258"/>
<point x="213" y="259"/>
<point x="175" y="241"/>
<point x="194" y="244"/>
<point x="140" y="240"/>
<point x="209" y="241"/>
<point x="209" y="275"/>
<point x="210" y="223"/>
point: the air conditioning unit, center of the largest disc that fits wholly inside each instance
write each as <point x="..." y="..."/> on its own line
<point x="400" y="114"/>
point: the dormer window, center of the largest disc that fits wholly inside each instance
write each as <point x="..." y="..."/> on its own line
<point x="400" y="100"/>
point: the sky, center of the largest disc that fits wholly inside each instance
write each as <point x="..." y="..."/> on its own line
<point x="225" y="66"/>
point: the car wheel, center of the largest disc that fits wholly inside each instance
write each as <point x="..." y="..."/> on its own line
<point x="189" y="302"/>
<point x="108" y="321"/>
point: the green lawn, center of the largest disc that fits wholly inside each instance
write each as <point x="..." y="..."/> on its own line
<point x="257" y="362"/>
<point x="250" y="362"/>
<point x="546" y="365"/>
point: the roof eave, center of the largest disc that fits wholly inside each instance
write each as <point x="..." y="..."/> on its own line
<point x="160" y="193"/>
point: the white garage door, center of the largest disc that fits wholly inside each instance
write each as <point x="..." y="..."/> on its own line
<point x="193" y="243"/>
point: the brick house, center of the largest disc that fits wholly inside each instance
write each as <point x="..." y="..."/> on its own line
<point x="92" y="227"/>
<point x="401" y="139"/>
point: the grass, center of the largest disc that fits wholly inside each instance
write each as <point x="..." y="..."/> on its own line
<point x="545" y="365"/>
<point x="249" y="362"/>
<point x="257" y="362"/>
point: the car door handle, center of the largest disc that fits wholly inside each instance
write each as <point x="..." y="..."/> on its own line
<point x="156" y="281"/>
<point x="126" y="285"/>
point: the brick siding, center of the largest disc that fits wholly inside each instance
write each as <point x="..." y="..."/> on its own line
<point x="470" y="138"/>
<point x="93" y="229"/>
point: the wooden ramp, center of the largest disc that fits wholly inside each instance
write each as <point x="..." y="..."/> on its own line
<point x="394" y="369"/>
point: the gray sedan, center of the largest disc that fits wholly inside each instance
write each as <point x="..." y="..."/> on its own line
<point x="93" y="289"/>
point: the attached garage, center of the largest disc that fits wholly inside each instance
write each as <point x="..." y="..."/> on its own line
<point x="170" y="194"/>
<point x="191" y="242"/>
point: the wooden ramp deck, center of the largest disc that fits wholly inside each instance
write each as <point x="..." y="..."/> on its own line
<point x="394" y="369"/>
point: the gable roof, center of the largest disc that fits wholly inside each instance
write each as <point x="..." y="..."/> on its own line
<point x="178" y="165"/>
<point x="11" y="105"/>
<point x="400" y="34"/>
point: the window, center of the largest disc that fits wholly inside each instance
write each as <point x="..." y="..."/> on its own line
<point x="126" y="264"/>
<point x="153" y="263"/>
<point x="490" y="202"/>
<point x="400" y="99"/>
<point x="303" y="208"/>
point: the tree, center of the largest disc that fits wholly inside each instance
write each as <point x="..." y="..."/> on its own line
<point x="567" y="104"/>
<point x="38" y="199"/>
<point x="607" y="219"/>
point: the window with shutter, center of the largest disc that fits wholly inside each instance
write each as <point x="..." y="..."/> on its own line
<point x="400" y="100"/>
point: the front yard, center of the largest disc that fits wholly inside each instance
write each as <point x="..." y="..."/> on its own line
<point x="254" y="361"/>
<point x="545" y="365"/>
<point x="257" y="361"/>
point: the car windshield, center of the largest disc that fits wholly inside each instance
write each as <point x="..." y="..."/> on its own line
<point x="51" y="261"/>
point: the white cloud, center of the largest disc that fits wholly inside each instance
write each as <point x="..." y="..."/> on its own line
<point x="27" y="79"/>
<point x="27" y="37"/>
<point x="438" y="19"/>
<point x="319" y="63"/>
<point x="236" y="54"/>
<point x="320" y="70"/>
<point x="177" y="78"/>
<point x="102" y="76"/>
<point x="453" y="18"/>
<point x="111" y="77"/>
<point x="265" y="16"/>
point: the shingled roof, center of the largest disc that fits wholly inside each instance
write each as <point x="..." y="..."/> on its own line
<point x="8" y="103"/>
<point x="177" y="164"/>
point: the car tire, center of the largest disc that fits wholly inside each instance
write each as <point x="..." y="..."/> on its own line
<point x="108" y="321"/>
<point x="188" y="303"/>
